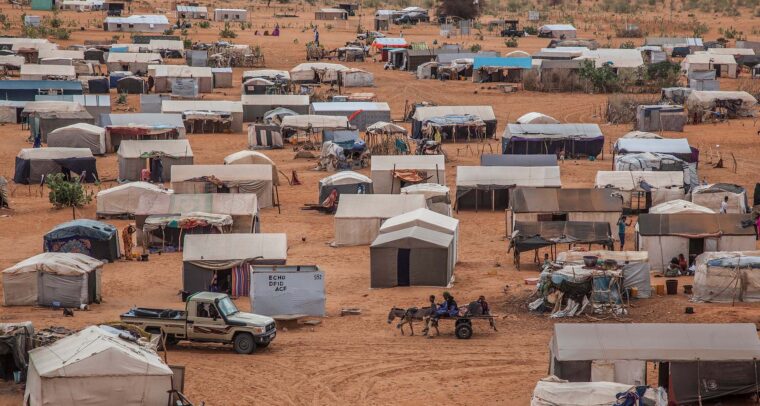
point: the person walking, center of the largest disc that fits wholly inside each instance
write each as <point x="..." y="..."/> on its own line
<point x="724" y="205"/>
<point x="621" y="231"/>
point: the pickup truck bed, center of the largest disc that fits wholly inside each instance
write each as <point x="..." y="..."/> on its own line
<point x="148" y="313"/>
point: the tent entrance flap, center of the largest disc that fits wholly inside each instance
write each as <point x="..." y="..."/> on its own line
<point x="402" y="266"/>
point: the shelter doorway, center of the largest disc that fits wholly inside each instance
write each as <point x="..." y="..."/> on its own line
<point x="402" y="267"/>
<point x="696" y="247"/>
<point x="221" y="281"/>
<point x="718" y="68"/>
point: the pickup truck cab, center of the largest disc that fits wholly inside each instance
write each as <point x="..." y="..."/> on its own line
<point x="208" y="317"/>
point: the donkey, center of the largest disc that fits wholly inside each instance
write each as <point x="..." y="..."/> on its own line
<point x="409" y="315"/>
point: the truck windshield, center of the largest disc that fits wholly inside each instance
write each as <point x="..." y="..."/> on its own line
<point x="226" y="307"/>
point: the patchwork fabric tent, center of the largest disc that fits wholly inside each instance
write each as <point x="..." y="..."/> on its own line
<point x="241" y="207"/>
<point x="425" y="113"/>
<point x="169" y="230"/>
<point x="437" y="196"/>
<point x="491" y="184"/>
<point x="345" y="182"/>
<point x="727" y="277"/>
<point x="359" y="217"/>
<point x="412" y="256"/>
<point x="428" y="219"/>
<point x="316" y="72"/>
<point x="63" y="279"/>
<point x="577" y="140"/>
<point x="96" y="366"/>
<point x="643" y="189"/>
<point x="89" y="237"/>
<point x="652" y="161"/>
<point x="34" y="163"/>
<point x="156" y="156"/>
<point x="246" y="178"/>
<point x="80" y="135"/>
<point x="228" y="257"/>
<point x="518" y="160"/>
<point x="738" y="103"/>
<point x="686" y="355"/>
<point x="555" y="204"/>
<point x="359" y="114"/>
<point x="635" y="266"/>
<point x="665" y="236"/>
<point x="141" y="126"/>
<point x="123" y="200"/>
<point x="552" y="391"/>
<point x="677" y="147"/>
<point x="288" y="290"/>
<point x="712" y="195"/>
<point x="390" y="173"/>
<point x="264" y="136"/>
<point x="253" y="157"/>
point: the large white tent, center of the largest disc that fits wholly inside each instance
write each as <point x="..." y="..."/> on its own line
<point x="359" y="217"/>
<point x="727" y="277"/>
<point x="255" y="158"/>
<point x="438" y="196"/>
<point x="79" y="135"/>
<point x="489" y="186"/>
<point x="122" y="200"/>
<point x="245" y="178"/>
<point x="96" y="367"/>
<point x="426" y="219"/>
<point x="664" y="186"/>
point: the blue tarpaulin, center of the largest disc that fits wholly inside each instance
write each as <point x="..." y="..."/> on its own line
<point x="82" y="228"/>
<point x="502" y="62"/>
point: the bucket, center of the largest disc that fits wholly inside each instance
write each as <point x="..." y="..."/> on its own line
<point x="16" y="376"/>
<point x="671" y="285"/>
<point x="659" y="290"/>
<point x="634" y="292"/>
<point x="687" y="289"/>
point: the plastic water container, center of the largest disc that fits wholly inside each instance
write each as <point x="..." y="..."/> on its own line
<point x="671" y="286"/>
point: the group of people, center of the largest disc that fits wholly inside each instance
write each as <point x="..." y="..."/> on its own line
<point x="449" y="308"/>
<point x="679" y="266"/>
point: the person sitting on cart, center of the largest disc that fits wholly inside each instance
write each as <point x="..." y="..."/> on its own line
<point x="485" y="309"/>
<point x="448" y="308"/>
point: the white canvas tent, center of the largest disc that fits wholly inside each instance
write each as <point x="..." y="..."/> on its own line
<point x="97" y="367"/>
<point x="359" y="217"/>
<point x="426" y="219"/>
<point x="437" y="196"/>
<point x="727" y="277"/>
<point x="665" y="186"/>
<point x="725" y="65"/>
<point x="68" y="279"/>
<point x="246" y="178"/>
<point x="122" y="200"/>
<point x="344" y="182"/>
<point x="45" y="72"/>
<point x="712" y="195"/>
<point x="383" y="168"/>
<point x="491" y="184"/>
<point x="136" y="155"/>
<point x="288" y="290"/>
<point x="80" y="135"/>
<point x="536" y="118"/>
<point x="253" y="157"/>
<point x="412" y="256"/>
<point x="552" y="391"/>
<point x="679" y="206"/>
<point x="316" y="72"/>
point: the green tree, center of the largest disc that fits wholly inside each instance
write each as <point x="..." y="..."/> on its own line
<point x="603" y="79"/>
<point x="67" y="193"/>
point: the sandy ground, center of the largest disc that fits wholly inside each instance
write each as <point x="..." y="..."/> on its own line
<point x="361" y="360"/>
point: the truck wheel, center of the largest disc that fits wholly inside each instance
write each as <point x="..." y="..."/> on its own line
<point x="243" y="343"/>
<point x="262" y="345"/>
<point x="463" y="331"/>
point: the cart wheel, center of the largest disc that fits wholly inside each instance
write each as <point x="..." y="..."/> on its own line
<point x="463" y="331"/>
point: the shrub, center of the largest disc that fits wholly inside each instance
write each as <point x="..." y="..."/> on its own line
<point x="531" y="30"/>
<point x="204" y="24"/>
<point x="603" y="79"/>
<point x="628" y="45"/>
<point x="169" y="31"/>
<point x="511" y="42"/>
<point x="66" y="193"/>
<point x="475" y="48"/>
<point x="227" y="32"/>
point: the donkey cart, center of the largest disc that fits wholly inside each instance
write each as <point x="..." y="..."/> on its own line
<point x="463" y="324"/>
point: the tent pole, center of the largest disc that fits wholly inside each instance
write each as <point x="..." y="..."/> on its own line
<point x="699" y="387"/>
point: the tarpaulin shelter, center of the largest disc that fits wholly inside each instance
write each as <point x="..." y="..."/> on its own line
<point x="4" y="200"/>
<point x="665" y="236"/>
<point x="356" y="78"/>
<point x="345" y="182"/>
<point x="390" y="173"/>
<point x="425" y="113"/>
<point x="222" y="77"/>
<point x="47" y="72"/>
<point x="635" y="266"/>
<point x="10" y="111"/>
<point x="123" y="200"/>
<point x="736" y="104"/>
<point x="331" y="14"/>
<point x="34" y="163"/>
<point x="552" y="391"/>
<point x="412" y="256"/>
<point x="253" y="157"/>
<point x="166" y="75"/>
<point x="427" y="219"/>
<point x="44" y="122"/>
<point x="15" y="343"/>
<point x="678" y="147"/>
<point x="220" y="111"/>
<point x="33" y="108"/>
<point x="556" y="204"/>
<point x="80" y="135"/>
<point x="500" y="69"/>
<point x="169" y="230"/>
<point x="385" y="44"/>
<point x="131" y="85"/>
<point x="141" y="126"/>
<point x="359" y="217"/>
<point x="438" y="197"/>
<point x="274" y="116"/>
<point x="532" y="235"/>
<point x="727" y="277"/>
<point x="557" y="31"/>
<point x="491" y="185"/>
<point x="722" y="65"/>
<point x="660" y="117"/>
<point x="359" y="114"/>
<point x="577" y="140"/>
<point x="687" y="355"/>
<point x="269" y="74"/>
<point x="53" y="278"/>
<point x="96" y="366"/>
<point x="241" y="207"/>
<point x="643" y="189"/>
<point x="465" y="127"/>
<point x="316" y="72"/>
<point x="95" y="104"/>
<point x="156" y="156"/>
<point x="257" y="179"/>
<point x="228" y="257"/>
<point x="288" y="290"/>
<point x="518" y="160"/>
<point x="98" y="86"/>
<point x="134" y="62"/>
<point x="89" y="237"/>
<point x="264" y="136"/>
<point x="642" y="134"/>
<point x="314" y="122"/>
<point x="679" y="206"/>
<point x="712" y="196"/>
<point x="255" y="106"/>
